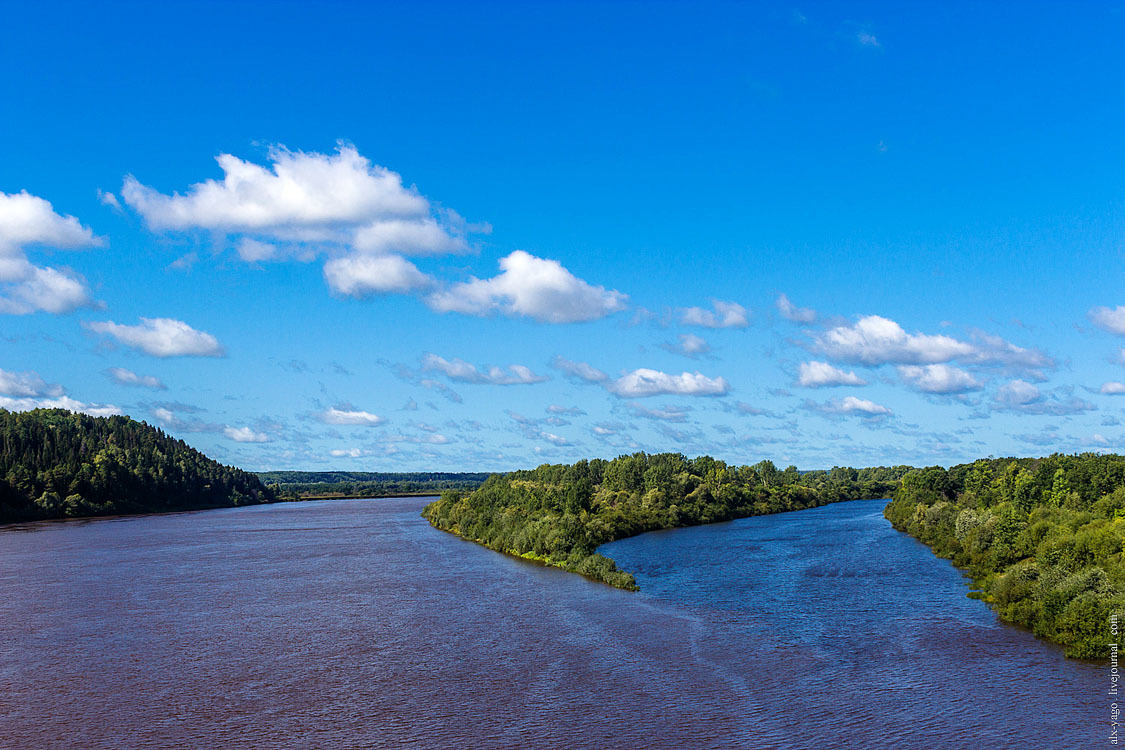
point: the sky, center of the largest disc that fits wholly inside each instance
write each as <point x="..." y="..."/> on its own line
<point x="480" y="237"/>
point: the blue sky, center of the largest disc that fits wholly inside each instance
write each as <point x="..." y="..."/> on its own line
<point x="481" y="237"/>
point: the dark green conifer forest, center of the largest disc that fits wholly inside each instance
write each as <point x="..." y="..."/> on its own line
<point x="57" y="464"/>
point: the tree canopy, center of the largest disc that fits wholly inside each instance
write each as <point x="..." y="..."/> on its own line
<point x="559" y="514"/>
<point x="56" y="464"/>
<point x="1042" y="538"/>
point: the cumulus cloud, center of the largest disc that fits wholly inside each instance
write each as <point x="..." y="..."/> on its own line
<point x="245" y="435"/>
<point x="121" y="376"/>
<point x="724" y="315"/>
<point x="364" y="275"/>
<point x="939" y="379"/>
<point x="822" y="375"/>
<point x="1113" y="388"/>
<point x="358" y="213"/>
<point x="874" y="340"/>
<point x="1019" y="396"/>
<point x="850" y="405"/>
<point x="346" y="415"/>
<point x="645" y="382"/>
<point x="532" y="287"/>
<point x="789" y="311"/>
<point x="464" y="372"/>
<point x="27" y="220"/>
<point x="1110" y="319"/>
<point x="299" y="196"/>
<point x="161" y="337"/>
<point x="579" y="370"/>
<point x="24" y="391"/>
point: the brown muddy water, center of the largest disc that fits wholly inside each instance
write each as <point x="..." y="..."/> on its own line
<point x="353" y="624"/>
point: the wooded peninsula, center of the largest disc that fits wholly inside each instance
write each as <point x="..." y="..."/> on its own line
<point x="559" y="515"/>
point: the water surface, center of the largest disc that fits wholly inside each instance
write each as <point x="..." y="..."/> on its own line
<point x="352" y="623"/>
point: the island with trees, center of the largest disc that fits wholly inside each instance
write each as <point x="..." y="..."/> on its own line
<point x="58" y="464"/>
<point x="559" y="515"/>
<point x="1041" y="538"/>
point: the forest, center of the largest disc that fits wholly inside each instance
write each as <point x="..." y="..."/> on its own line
<point x="1041" y="539"/>
<point x="57" y="464"/>
<point x="559" y="514"/>
<point x="310" y="484"/>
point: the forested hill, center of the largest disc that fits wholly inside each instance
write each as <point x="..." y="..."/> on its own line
<point x="1042" y="539"/>
<point x="370" y="483"/>
<point x="55" y="463"/>
<point x="560" y="514"/>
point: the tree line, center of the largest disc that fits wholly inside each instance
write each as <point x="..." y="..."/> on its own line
<point x="298" y="484"/>
<point x="1042" y="538"/>
<point x="559" y="514"/>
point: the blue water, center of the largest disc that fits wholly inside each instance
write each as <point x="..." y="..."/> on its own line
<point x="353" y="624"/>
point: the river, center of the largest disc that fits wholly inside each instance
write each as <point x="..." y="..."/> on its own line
<point x="353" y="624"/>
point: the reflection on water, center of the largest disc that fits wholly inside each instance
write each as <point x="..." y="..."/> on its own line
<point x="351" y="623"/>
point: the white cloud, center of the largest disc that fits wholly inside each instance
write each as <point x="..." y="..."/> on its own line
<point x="121" y="376"/>
<point x="1113" y="388"/>
<point x="27" y="220"/>
<point x="875" y="340"/>
<point x="533" y="287"/>
<point x="938" y="379"/>
<point x="789" y="311"/>
<point x="161" y="337"/>
<point x="570" y="411"/>
<point x="27" y="384"/>
<point x="24" y="391"/>
<point x="1110" y="319"/>
<point x="691" y="345"/>
<point x="245" y="435"/>
<point x="62" y="402"/>
<point x="299" y="196"/>
<point x="645" y="382"/>
<point x="1018" y="393"/>
<point x="1022" y="397"/>
<point x="349" y="416"/>
<point x="339" y="204"/>
<point x="821" y="375"/>
<point x="253" y="251"/>
<point x="725" y="315"/>
<point x="665" y="414"/>
<point x="464" y="372"/>
<point x="580" y="370"/>
<point x="850" y="405"/>
<point x="349" y="452"/>
<point x="363" y="275"/>
<point x="108" y="199"/>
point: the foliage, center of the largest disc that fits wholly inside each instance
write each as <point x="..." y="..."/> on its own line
<point x="296" y="484"/>
<point x="560" y="514"/>
<point x="55" y="464"/>
<point x="1041" y="537"/>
